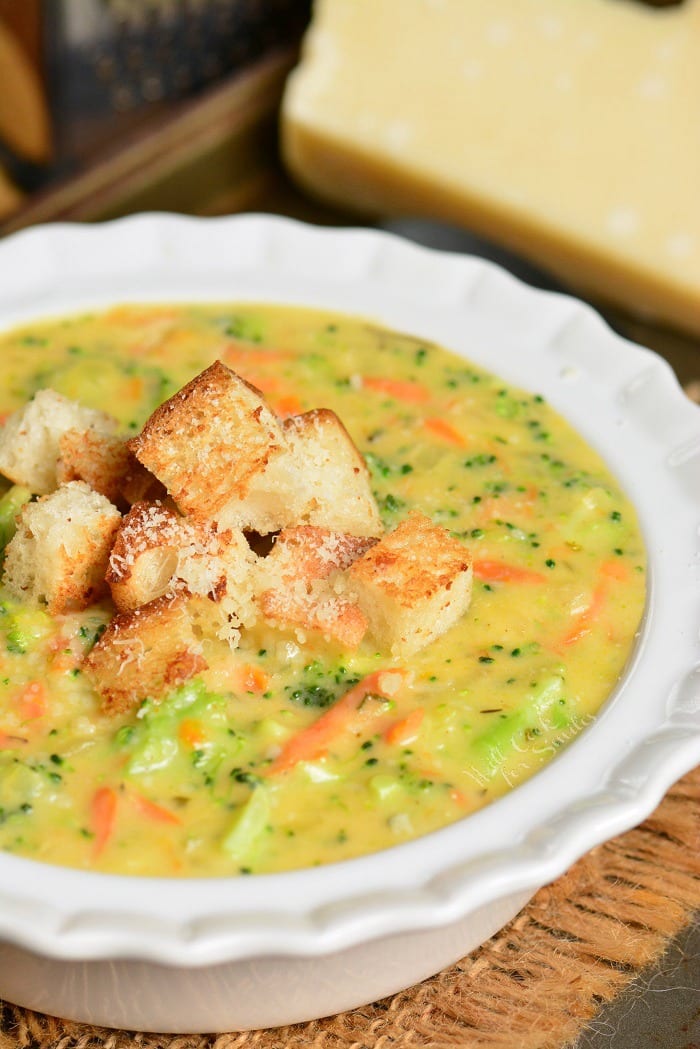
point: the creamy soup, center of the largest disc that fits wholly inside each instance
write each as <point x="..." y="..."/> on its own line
<point x="183" y="786"/>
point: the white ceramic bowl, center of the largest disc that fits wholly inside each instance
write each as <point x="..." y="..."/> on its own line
<point x="212" y="955"/>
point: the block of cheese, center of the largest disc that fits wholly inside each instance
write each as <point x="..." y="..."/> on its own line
<point x="566" y="131"/>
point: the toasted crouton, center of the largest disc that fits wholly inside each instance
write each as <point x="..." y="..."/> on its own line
<point x="336" y="480"/>
<point x="100" y="459"/>
<point x="295" y="588"/>
<point x="145" y="653"/>
<point x="318" y="478"/>
<point x="273" y="500"/>
<point x="58" y="556"/>
<point x="208" y="441"/>
<point x="412" y="585"/>
<point x="157" y="552"/>
<point x="143" y="559"/>
<point x="220" y="565"/>
<point x="30" y="439"/>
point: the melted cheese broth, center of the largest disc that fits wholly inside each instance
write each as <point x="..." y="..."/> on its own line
<point x="180" y="787"/>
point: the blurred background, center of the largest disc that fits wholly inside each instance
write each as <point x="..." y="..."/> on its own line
<point x="109" y="107"/>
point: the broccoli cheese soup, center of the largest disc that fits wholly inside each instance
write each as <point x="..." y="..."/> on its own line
<point x="357" y="588"/>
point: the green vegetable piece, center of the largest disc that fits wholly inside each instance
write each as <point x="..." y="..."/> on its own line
<point x="247" y="827"/>
<point x="23" y="627"/>
<point x="156" y="752"/>
<point x="384" y="786"/>
<point x="248" y="329"/>
<point x="10" y="505"/>
<point x="537" y="711"/>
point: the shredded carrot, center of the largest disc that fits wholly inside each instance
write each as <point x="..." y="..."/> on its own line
<point x="457" y="796"/>
<point x="8" y="742"/>
<point x="32" y="701"/>
<point x="268" y="384"/>
<point x="287" y="405"/>
<point x="103" y="812"/>
<point x="615" y="570"/>
<point x="347" y="713"/>
<point x="153" y="811"/>
<point x="191" y="732"/>
<point x="500" y="572"/>
<point x="133" y="389"/>
<point x="405" y="730"/>
<point x="65" y="661"/>
<point x="445" y="431"/>
<point x="253" y="678"/>
<point x="250" y="362"/>
<point x="399" y="389"/>
<point x="584" y="620"/>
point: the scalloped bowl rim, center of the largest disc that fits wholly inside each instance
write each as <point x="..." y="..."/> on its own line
<point x="624" y="399"/>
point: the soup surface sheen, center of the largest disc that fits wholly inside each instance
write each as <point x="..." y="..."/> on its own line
<point x="559" y="589"/>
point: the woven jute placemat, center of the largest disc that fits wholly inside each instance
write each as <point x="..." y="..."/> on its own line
<point x="534" y="985"/>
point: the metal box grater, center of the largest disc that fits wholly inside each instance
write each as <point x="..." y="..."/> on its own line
<point x="109" y="65"/>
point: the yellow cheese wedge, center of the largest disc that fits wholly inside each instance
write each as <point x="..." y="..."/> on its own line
<point x="567" y="130"/>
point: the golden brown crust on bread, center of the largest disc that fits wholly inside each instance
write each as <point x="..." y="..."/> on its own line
<point x="207" y="441"/>
<point x="145" y="653"/>
<point x="412" y="585"/>
<point x="157" y="552"/>
<point x="143" y="559"/>
<point x="336" y="481"/>
<point x="59" y="553"/>
<point x="101" y="460"/>
<point x="29" y="440"/>
<point x="297" y="592"/>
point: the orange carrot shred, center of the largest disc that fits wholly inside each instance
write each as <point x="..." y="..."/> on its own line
<point x="585" y="619"/>
<point x="134" y="388"/>
<point x="608" y="571"/>
<point x="8" y="742"/>
<point x="191" y="732"/>
<point x="253" y="678"/>
<point x="406" y="729"/>
<point x="345" y="714"/>
<point x="445" y="431"/>
<point x="103" y="812"/>
<point x="500" y="572"/>
<point x="615" y="570"/>
<point x="153" y="811"/>
<point x="287" y="405"/>
<point x="399" y="389"/>
<point x="33" y="700"/>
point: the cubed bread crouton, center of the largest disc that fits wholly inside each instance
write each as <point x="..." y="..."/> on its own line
<point x="208" y="441"/>
<point x="336" y="482"/>
<point x="157" y="552"/>
<point x="30" y="438"/>
<point x="412" y="585"/>
<point x="145" y="653"/>
<point x="295" y="588"/>
<point x="99" y="459"/>
<point x="274" y="498"/>
<point x="58" y="556"/>
<point x="143" y="559"/>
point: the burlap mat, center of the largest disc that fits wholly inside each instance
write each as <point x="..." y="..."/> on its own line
<point x="576" y="945"/>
